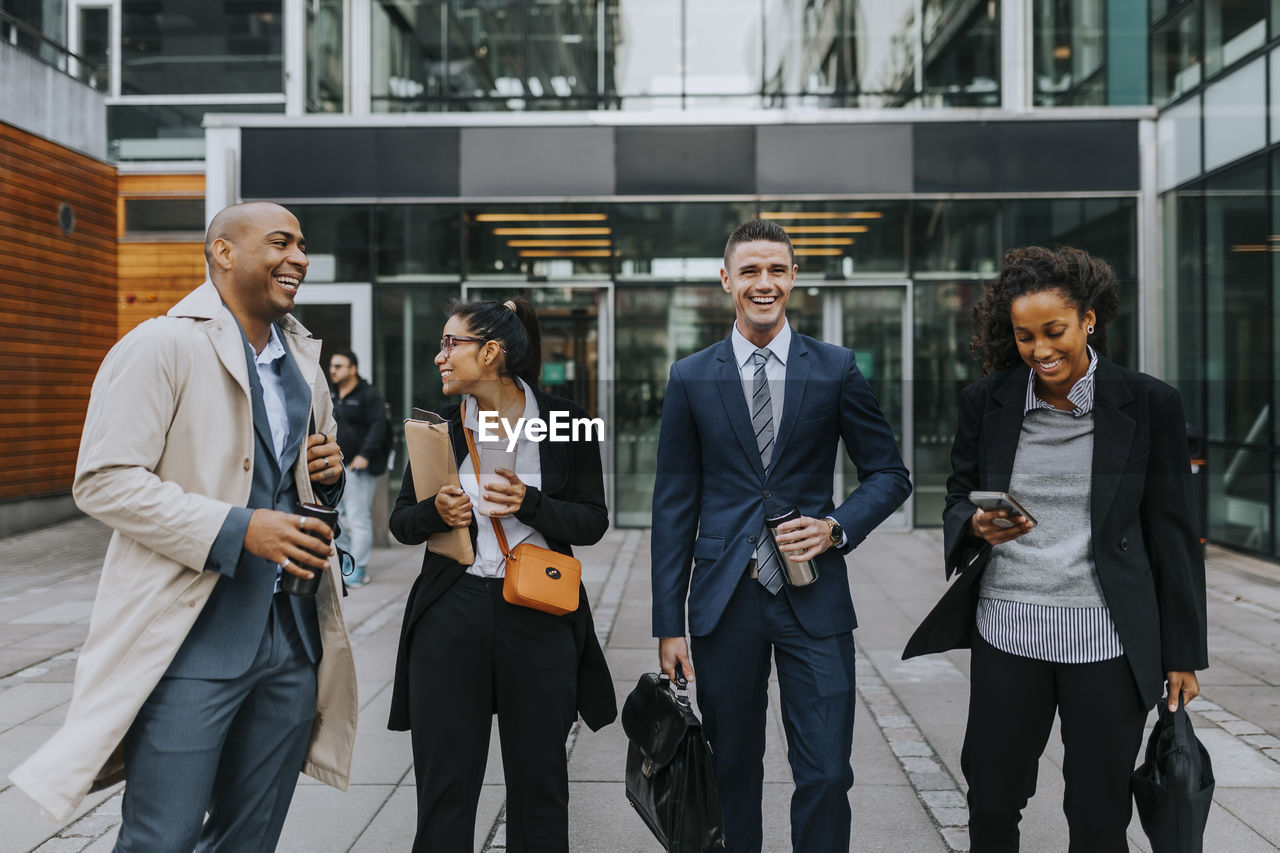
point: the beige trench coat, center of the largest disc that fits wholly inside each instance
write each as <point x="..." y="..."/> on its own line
<point x="167" y="451"/>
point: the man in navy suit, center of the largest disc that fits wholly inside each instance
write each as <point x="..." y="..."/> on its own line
<point x="751" y="425"/>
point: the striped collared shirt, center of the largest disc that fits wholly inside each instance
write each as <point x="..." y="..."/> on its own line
<point x="1048" y="633"/>
<point x="1080" y="395"/>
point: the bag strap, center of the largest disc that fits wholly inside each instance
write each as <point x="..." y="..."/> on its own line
<point x="475" y="464"/>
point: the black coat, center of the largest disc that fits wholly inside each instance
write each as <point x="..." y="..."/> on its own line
<point x="1145" y="544"/>
<point x="568" y="510"/>
<point x="363" y="429"/>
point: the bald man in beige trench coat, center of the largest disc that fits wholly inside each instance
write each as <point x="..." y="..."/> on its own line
<point x="165" y="457"/>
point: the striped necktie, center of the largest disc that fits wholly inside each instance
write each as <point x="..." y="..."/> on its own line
<point x="767" y="560"/>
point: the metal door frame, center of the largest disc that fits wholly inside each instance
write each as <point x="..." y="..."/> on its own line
<point x="832" y="327"/>
<point x="359" y="298"/>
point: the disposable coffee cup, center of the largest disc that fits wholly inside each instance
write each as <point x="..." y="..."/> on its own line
<point x="295" y="585"/>
<point x="493" y="457"/>
<point x="795" y="574"/>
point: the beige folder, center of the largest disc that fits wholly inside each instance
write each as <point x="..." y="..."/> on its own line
<point x="426" y="435"/>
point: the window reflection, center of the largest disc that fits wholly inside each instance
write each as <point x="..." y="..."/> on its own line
<point x="1183" y="220"/>
<point x="166" y="131"/>
<point x="648" y="52"/>
<point x="546" y="242"/>
<point x="1232" y="30"/>
<point x="337" y="240"/>
<point x="406" y="334"/>
<point x="682" y="54"/>
<point x="676" y="241"/>
<point x="1106" y="228"/>
<point x="1237" y="289"/>
<point x="961" y="53"/>
<point x="872" y="328"/>
<point x="1240" y="498"/>
<point x="943" y="365"/>
<point x="1175" y="55"/>
<point x="177" y="47"/>
<point x="843" y="239"/>
<point x="325" y="90"/>
<point x="1069" y="50"/>
<point x="722" y="53"/>
<point x="417" y="241"/>
<point x="956" y="236"/>
<point x="663" y="324"/>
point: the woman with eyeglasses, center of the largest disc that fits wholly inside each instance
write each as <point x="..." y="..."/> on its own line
<point x="465" y="653"/>
<point x="1092" y="607"/>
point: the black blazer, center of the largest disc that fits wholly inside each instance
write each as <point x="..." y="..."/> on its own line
<point x="568" y="510"/>
<point x="1145" y="545"/>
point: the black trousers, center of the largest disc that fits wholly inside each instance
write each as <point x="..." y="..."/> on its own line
<point x="1011" y="707"/>
<point x="473" y="655"/>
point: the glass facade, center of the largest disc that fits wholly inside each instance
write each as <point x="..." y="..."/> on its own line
<point x="684" y="54"/>
<point x="188" y="47"/>
<point x="1220" y="217"/>
<point x="1069" y="46"/>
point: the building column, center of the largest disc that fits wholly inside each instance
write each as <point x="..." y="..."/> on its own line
<point x="1015" y="55"/>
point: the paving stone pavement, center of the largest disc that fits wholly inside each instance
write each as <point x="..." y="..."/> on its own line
<point x="908" y="793"/>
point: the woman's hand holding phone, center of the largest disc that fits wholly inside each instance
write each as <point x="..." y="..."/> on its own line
<point x="984" y="526"/>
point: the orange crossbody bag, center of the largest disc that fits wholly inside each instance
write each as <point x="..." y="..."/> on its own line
<point x="536" y="577"/>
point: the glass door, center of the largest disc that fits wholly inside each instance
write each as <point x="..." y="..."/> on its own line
<point x="340" y="315"/>
<point x="577" y="345"/>
<point x="869" y="319"/>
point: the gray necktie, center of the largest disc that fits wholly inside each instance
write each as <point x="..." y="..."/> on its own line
<point x="767" y="560"/>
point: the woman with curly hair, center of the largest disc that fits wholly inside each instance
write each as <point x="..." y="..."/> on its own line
<point x="1089" y="611"/>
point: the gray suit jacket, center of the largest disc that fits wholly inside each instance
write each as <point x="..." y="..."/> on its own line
<point x="225" y="638"/>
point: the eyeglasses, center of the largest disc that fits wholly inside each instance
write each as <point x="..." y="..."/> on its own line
<point x="448" y="341"/>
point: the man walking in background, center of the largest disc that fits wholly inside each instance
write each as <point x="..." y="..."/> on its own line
<point x="364" y="435"/>
<point x="751" y="425"/>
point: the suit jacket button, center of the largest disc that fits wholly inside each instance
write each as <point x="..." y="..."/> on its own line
<point x="1124" y="544"/>
<point x="246" y="463"/>
<point x="752" y="539"/>
<point x="767" y="493"/>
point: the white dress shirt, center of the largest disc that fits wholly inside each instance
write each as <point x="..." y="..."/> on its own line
<point x="775" y="369"/>
<point x="489" y="562"/>
<point x="268" y="363"/>
<point x="775" y="373"/>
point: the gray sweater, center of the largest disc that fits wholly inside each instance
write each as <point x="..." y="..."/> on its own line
<point x="1052" y="475"/>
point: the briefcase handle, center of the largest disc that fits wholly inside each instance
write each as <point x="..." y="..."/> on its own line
<point x="681" y="687"/>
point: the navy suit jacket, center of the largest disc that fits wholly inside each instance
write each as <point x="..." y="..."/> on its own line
<point x="226" y="636"/>
<point x="712" y="492"/>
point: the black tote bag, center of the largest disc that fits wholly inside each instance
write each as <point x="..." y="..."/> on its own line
<point x="1173" y="789"/>
<point x="669" y="779"/>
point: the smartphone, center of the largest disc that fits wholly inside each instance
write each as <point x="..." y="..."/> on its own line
<point x="1000" y="500"/>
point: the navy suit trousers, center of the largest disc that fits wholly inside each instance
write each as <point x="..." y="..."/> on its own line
<point x="816" y="684"/>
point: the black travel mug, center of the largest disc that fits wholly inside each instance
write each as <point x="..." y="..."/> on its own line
<point x="293" y="584"/>
<point x="795" y="574"/>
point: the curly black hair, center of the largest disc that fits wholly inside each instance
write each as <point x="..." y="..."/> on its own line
<point x="1085" y="281"/>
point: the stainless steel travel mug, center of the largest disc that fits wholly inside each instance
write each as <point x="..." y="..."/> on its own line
<point x="795" y="574"/>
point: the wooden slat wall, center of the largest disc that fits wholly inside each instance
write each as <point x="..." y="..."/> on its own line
<point x="154" y="276"/>
<point x="57" y="306"/>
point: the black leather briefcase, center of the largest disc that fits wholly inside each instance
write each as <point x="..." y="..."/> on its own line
<point x="670" y="780"/>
